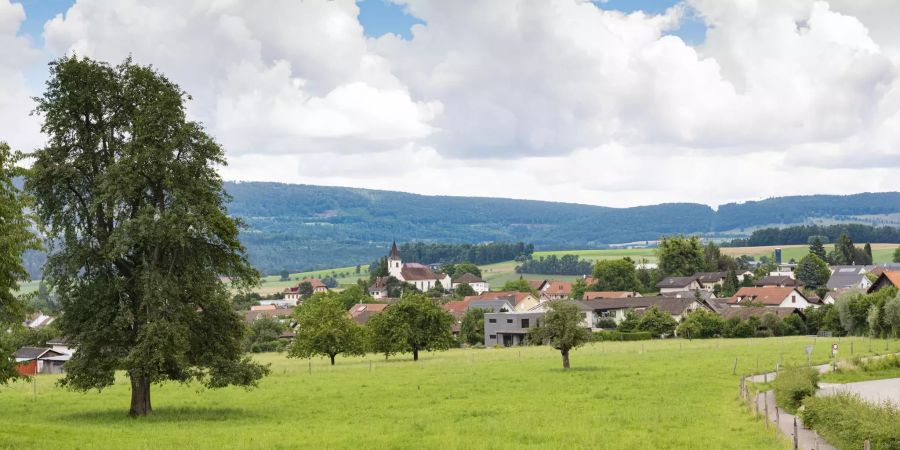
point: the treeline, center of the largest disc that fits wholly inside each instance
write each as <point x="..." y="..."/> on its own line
<point x="554" y="265"/>
<point x="489" y="253"/>
<point x="826" y="233"/>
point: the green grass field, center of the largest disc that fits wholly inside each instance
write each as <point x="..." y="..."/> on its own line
<point x="659" y="394"/>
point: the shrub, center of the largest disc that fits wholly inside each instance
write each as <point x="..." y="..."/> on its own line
<point x="846" y="420"/>
<point x="793" y="384"/>
<point x="606" y="323"/>
<point x="621" y="336"/>
<point x="878" y="364"/>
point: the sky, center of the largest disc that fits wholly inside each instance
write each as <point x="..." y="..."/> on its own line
<point x="607" y="102"/>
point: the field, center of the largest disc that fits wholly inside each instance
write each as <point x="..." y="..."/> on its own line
<point x="659" y="394"/>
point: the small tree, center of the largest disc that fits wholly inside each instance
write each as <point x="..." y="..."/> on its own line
<point x="817" y="248"/>
<point x="285" y="275"/>
<point x="419" y="324"/>
<point x="578" y="288"/>
<point x="657" y="322"/>
<point x="731" y="284"/>
<point x="701" y="323"/>
<point x="382" y="338"/>
<point x="562" y="329"/>
<point x="897" y="255"/>
<point x="323" y="328"/>
<point x="264" y="335"/>
<point x="630" y="323"/>
<point x="463" y="289"/>
<point x="892" y="314"/>
<point x="520" y="285"/>
<point x="813" y="271"/>
<point x="471" y="331"/>
<point x="305" y="289"/>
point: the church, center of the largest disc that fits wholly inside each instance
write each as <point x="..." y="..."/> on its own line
<point x="416" y="274"/>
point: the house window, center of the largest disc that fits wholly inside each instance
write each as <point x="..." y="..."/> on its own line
<point x="793" y="299"/>
<point x="509" y="320"/>
<point x="493" y="336"/>
<point x="492" y="320"/>
<point x="525" y="323"/>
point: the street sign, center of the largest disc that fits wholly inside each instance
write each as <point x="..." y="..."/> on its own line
<point x="834" y="349"/>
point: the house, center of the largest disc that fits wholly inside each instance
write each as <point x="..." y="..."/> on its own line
<point x="35" y="360"/>
<point x="832" y="296"/>
<point x="778" y="281"/>
<point x="509" y="329"/>
<point x="37" y="320"/>
<point x="279" y="303"/>
<point x="263" y="307"/>
<point x="769" y="297"/>
<point x="379" y="288"/>
<point x="709" y="280"/>
<point x="477" y="284"/>
<point x="615" y="308"/>
<point x="557" y="290"/>
<point x="362" y="312"/>
<point x="423" y="277"/>
<point x="887" y="278"/>
<point x="521" y="301"/>
<point x="589" y="280"/>
<point x="61" y="345"/>
<point x="293" y="293"/>
<point x="538" y="285"/>
<point x="673" y="284"/>
<point x="591" y="295"/>
<point x="282" y="314"/>
<point x="881" y="268"/>
<point x="848" y="277"/>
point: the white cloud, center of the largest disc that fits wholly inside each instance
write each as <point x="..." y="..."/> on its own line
<point x="16" y="57"/>
<point x="555" y="100"/>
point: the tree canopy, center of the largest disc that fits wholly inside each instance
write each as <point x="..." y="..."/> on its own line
<point x="324" y="328"/>
<point x="15" y="228"/>
<point x="680" y="256"/>
<point x="127" y="190"/>
<point x="417" y="323"/>
<point x="813" y="271"/>
<point x="616" y="275"/>
<point x="561" y="329"/>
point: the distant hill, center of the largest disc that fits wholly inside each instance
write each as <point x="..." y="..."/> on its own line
<point x="303" y="227"/>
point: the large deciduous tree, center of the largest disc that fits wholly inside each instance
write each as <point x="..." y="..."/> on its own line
<point x="324" y="328"/>
<point x="418" y="323"/>
<point x="616" y="275"/>
<point x="128" y="192"/>
<point x="562" y="329"/>
<point x="813" y="271"/>
<point x="680" y="256"/>
<point x="15" y="238"/>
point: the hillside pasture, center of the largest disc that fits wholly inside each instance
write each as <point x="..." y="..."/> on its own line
<point x="652" y="394"/>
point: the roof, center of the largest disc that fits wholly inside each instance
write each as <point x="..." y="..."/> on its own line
<point x="710" y="277"/>
<point x="889" y="276"/>
<point x="380" y="283"/>
<point x="250" y="316"/>
<point x="718" y="305"/>
<point x="468" y="278"/>
<point x="513" y="297"/>
<point x="536" y="284"/>
<point x="415" y="271"/>
<point x="589" y="280"/>
<point x="745" y="312"/>
<point x="764" y="295"/>
<point x="262" y="307"/>
<point x="315" y="282"/>
<point x="492" y="305"/>
<point x="590" y="295"/>
<point x="845" y="279"/>
<point x="676" y="282"/>
<point x="777" y="280"/>
<point x="59" y="340"/>
<point x="29" y="353"/>
<point x="362" y="312"/>
<point x="559" y="288"/>
<point x="693" y="294"/>
<point x="456" y="307"/>
<point x="671" y="305"/>
<point x="395" y="254"/>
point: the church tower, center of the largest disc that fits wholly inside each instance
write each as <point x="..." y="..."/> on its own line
<point x="395" y="265"/>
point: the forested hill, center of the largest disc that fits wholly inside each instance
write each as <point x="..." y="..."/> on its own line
<point x="299" y="227"/>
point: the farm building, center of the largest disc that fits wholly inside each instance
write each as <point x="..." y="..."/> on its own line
<point x="35" y="360"/>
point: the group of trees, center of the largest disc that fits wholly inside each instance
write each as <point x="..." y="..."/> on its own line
<point x="556" y="265"/>
<point x="803" y="234"/>
<point x="414" y="324"/>
<point x="654" y="321"/>
<point x="701" y="324"/>
<point x="489" y="253"/>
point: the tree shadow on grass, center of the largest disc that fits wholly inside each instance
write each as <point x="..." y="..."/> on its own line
<point x="162" y="415"/>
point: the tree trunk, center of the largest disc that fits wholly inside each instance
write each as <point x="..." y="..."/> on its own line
<point x="140" y="396"/>
<point x="415" y="354"/>
<point x="565" y="357"/>
<point x="332" y="359"/>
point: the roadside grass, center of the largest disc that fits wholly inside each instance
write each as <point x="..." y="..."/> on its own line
<point x="879" y="368"/>
<point x="651" y="394"/>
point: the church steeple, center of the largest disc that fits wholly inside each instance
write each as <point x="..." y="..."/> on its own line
<point x="395" y="254"/>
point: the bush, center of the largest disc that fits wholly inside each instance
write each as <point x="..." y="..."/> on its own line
<point x="606" y="323"/>
<point x="793" y="384"/>
<point x="846" y="420"/>
<point x="621" y="336"/>
<point x="878" y="364"/>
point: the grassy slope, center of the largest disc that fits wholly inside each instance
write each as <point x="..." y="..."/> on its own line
<point x="615" y="397"/>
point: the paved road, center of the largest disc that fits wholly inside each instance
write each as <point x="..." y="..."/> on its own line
<point x="876" y="391"/>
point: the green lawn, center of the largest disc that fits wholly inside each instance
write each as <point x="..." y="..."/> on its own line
<point x="660" y="394"/>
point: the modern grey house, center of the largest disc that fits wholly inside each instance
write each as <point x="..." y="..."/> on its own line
<point x="509" y="329"/>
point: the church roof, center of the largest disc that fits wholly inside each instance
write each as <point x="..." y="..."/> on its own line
<point x="415" y="272"/>
<point x="395" y="254"/>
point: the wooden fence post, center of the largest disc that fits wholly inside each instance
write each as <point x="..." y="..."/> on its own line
<point x="796" y="436"/>
<point x="867" y="445"/>
<point x="734" y="369"/>
<point x="766" y="401"/>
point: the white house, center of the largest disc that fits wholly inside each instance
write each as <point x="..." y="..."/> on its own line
<point x="784" y="297"/>
<point x="478" y="285"/>
<point x="673" y="284"/>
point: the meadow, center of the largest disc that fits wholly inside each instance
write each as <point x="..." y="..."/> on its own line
<point x="653" y="394"/>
